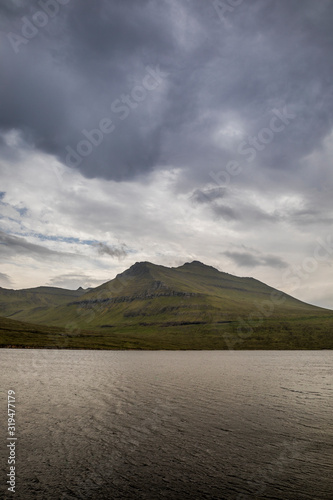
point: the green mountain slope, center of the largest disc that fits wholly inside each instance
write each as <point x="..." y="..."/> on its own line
<point x="17" y="304"/>
<point x="193" y="306"/>
<point x="19" y="334"/>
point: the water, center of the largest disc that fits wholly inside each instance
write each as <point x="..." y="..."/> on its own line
<point x="169" y="425"/>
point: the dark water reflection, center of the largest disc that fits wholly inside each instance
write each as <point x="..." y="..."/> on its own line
<point x="170" y="425"/>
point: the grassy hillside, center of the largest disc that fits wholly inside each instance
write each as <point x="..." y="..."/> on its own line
<point x="193" y="306"/>
<point x="309" y="333"/>
<point x="19" y="303"/>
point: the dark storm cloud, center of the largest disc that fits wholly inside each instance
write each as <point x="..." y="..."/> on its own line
<point x="266" y="56"/>
<point x="246" y="259"/>
<point x="53" y="89"/>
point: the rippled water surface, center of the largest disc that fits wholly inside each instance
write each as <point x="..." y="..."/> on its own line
<point x="170" y="425"/>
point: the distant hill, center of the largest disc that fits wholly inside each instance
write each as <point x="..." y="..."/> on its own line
<point x="17" y="303"/>
<point x="191" y="306"/>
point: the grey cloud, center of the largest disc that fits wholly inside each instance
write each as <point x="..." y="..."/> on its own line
<point x="244" y="212"/>
<point x="307" y="217"/>
<point x="11" y="246"/>
<point x="246" y="259"/>
<point x="226" y="212"/>
<point x="237" y="209"/>
<point x="208" y="195"/>
<point x="113" y="251"/>
<point x="274" y="261"/>
<point x="5" y="280"/>
<point x="314" y="209"/>
<point x="243" y="259"/>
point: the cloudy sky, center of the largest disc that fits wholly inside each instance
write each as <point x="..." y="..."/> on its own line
<point x="167" y="131"/>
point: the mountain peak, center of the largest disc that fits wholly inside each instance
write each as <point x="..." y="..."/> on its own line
<point x="138" y="268"/>
<point x="198" y="264"/>
<point x="141" y="265"/>
<point x="195" y="262"/>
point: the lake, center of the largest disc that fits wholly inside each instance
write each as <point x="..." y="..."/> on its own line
<point x="169" y="424"/>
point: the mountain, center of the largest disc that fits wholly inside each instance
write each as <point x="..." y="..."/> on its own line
<point x="191" y="306"/>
